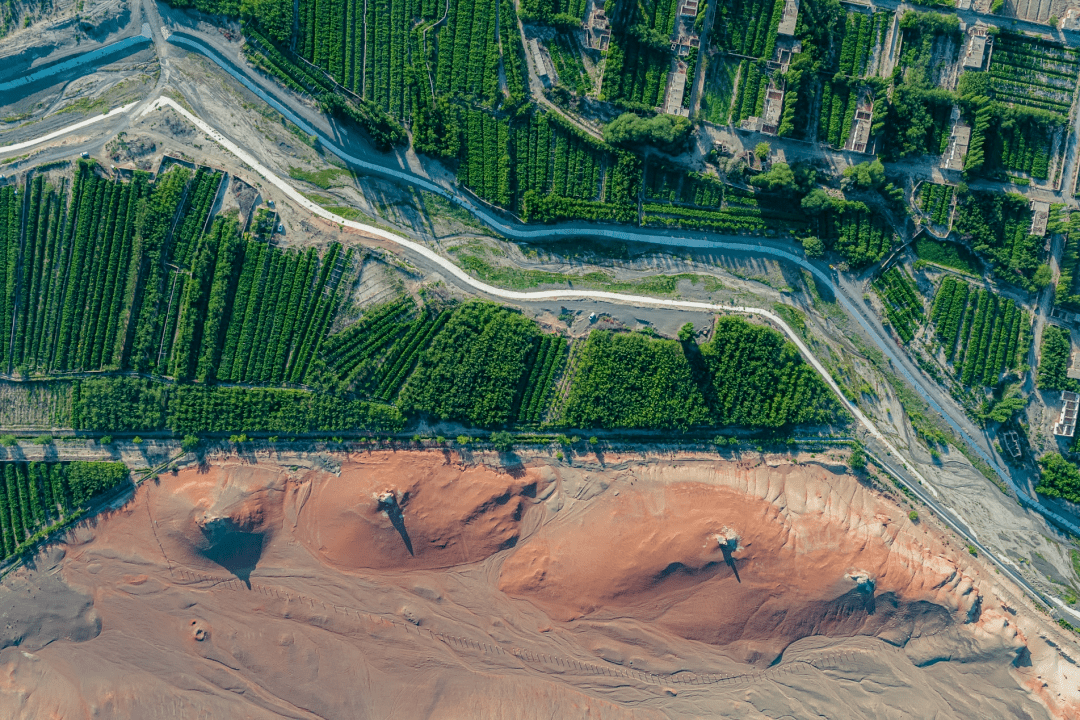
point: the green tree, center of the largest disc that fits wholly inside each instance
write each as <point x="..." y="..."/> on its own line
<point x="857" y="461"/>
<point x="503" y="441"/>
<point x="816" y="202"/>
<point x="664" y="131"/>
<point x="762" y="150"/>
<point x="1042" y="276"/>
<point x="1059" y="478"/>
<point x="813" y="247"/>
<point x="779" y="178"/>
<point x="1054" y="359"/>
<point x="866" y="175"/>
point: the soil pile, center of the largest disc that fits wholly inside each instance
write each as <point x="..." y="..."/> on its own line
<point x="409" y="585"/>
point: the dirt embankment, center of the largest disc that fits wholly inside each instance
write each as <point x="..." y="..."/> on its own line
<point x="410" y="585"/>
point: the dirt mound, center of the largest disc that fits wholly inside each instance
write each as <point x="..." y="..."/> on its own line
<point x="279" y="589"/>
<point x="221" y="516"/>
<point x="747" y="558"/>
<point x="406" y="512"/>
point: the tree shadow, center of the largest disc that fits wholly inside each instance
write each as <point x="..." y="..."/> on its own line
<point x="390" y="506"/>
<point x="726" y="549"/>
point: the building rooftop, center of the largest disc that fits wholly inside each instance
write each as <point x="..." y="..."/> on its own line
<point x="953" y="159"/>
<point x="538" y="60"/>
<point x="976" y="49"/>
<point x="676" y="90"/>
<point x="1066" y="424"/>
<point x="1041" y="214"/>
<point x="789" y="19"/>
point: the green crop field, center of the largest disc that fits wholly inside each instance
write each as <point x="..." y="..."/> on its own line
<point x="635" y="70"/>
<point x="903" y="307"/>
<point x="719" y="88"/>
<point x="37" y="497"/>
<point x="675" y="198"/>
<point x="194" y="325"/>
<point x="935" y="201"/>
<point x="950" y="255"/>
<point x="981" y="333"/>
<point x="999" y="225"/>
<point x="745" y="375"/>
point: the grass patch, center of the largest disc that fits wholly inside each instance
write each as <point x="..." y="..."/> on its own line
<point x="85" y="105"/>
<point x="308" y="140"/>
<point x="325" y="179"/>
<point x="349" y="213"/>
<point x="719" y="85"/>
<point x="518" y="279"/>
<point x="948" y="255"/>
<point x="792" y="316"/>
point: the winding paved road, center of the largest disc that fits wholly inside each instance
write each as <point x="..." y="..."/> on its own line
<point x="951" y="517"/>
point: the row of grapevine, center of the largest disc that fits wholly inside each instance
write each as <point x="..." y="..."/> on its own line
<point x="568" y="65"/>
<point x="838" y="103"/>
<point x="862" y="35"/>
<point x="283" y="303"/>
<point x="902" y="304"/>
<point x="746" y="375"/>
<point x="401" y="56"/>
<point x="1026" y="148"/>
<point x="989" y="336"/>
<point x="857" y="234"/>
<point x="135" y="404"/>
<point x="515" y="68"/>
<point x="948" y="311"/>
<point x="202" y="303"/>
<point x="72" y="283"/>
<point x="188" y="234"/>
<point x="150" y="253"/>
<point x="1066" y="292"/>
<point x="548" y="361"/>
<point x="467" y="61"/>
<point x="675" y="198"/>
<point x="404" y="354"/>
<point x="750" y="92"/>
<point x="936" y="201"/>
<point x="485" y="162"/>
<point x="350" y="357"/>
<point x="748" y="27"/>
<point x="553" y="10"/>
<point x="37" y="496"/>
<point x="635" y="71"/>
<point x="999" y="225"/>
<point x="668" y="184"/>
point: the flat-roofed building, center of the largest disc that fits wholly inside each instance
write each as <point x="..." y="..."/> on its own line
<point x="1066" y="424"/>
<point x="789" y="19"/>
<point x="953" y="159"/>
<point x="538" y="60"/>
<point x="1040" y="216"/>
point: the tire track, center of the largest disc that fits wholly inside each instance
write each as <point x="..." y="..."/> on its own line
<point x="533" y="659"/>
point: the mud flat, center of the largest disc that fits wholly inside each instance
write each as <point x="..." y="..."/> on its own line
<point x="410" y="584"/>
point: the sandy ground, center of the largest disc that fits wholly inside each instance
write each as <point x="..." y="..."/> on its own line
<point x="408" y="584"/>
